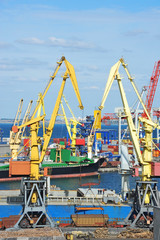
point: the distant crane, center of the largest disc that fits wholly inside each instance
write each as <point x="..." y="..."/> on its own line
<point x="106" y="119"/>
<point x="152" y="88"/>
<point x="71" y="127"/>
<point x="16" y="138"/>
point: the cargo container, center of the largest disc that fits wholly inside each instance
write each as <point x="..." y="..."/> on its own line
<point x="89" y="220"/>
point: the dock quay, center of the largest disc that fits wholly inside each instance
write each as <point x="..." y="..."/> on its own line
<point x="65" y="202"/>
<point x="81" y="196"/>
<point x="61" y="205"/>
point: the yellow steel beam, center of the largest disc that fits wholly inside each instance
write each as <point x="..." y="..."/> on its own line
<point x="49" y="84"/>
<point x="66" y="121"/>
<point x="131" y="125"/>
<point x="69" y="107"/>
<point x="72" y="76"/>
<point x="111" y="77"/>
<point x="18" y="114"/>
<point x="49" y="130"/>
<point x="134" y="87"/>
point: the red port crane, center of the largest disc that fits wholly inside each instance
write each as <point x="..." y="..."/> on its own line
<point x="109" y="116"/>
<point x="152" y="88"/>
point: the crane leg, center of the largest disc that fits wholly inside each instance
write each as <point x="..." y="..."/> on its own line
<point x="141" y="214"/>
<point x="34" y="214"/>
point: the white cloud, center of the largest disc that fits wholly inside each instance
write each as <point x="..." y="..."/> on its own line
<point x="32" y="40"/>
<point x="60" y="42"/>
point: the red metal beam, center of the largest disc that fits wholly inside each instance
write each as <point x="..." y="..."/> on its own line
<point x="152" y="88"/>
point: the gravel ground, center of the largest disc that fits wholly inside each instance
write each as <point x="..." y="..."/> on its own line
<point x="36" y="232"/>
<point x="105" y="233"/>
<point x="97" y="234"/>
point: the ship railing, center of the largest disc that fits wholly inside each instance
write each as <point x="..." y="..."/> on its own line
<point x="74" y="200"/>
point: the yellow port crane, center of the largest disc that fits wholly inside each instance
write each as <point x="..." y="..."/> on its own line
<point x="96" y="125"/>
<point x="146" y="196"/>
<point x="16" y="138"/>
<point x="71" y="127"/>
<point x="34" y="122"/>
<point x="146" y="159"/>
<point x="35" y="186"/>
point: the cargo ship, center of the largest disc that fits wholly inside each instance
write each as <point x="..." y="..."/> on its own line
<point x="55" y="166"/>
<point x="77" y="167"/>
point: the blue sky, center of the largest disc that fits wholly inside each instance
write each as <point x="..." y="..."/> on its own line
<point x="92" y="35"/>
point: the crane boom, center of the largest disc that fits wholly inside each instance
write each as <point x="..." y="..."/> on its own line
<point x="95" y="126"/>
<point x="72" y="131"/>
<point x="70" y="71"/>
<point x="26" y="117"/>
<point x="18" y="114"/>
<point x="97" y="113"/>
<point x="48" y="85"/>
<point x="152" y="88"/>
<point x="72" y="75"/>
<point x="69" y="108"/>
<point x="132" y="128"/>
<point x="112" y="76"/>
<point x="49" y="130"/>
<point x="134" y="87"/>
<point x="16" y="137"/>
<point x="66" y="121"/>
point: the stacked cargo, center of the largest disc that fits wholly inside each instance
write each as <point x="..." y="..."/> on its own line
<point x="89" y="220"/>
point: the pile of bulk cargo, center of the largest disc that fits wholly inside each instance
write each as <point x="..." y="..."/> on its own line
<point x="37" y="232"/>
<point x="136" y="234"/>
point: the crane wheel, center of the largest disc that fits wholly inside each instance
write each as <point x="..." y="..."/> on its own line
<point x="140" y="223"/>
<point x="24" y="223"/>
